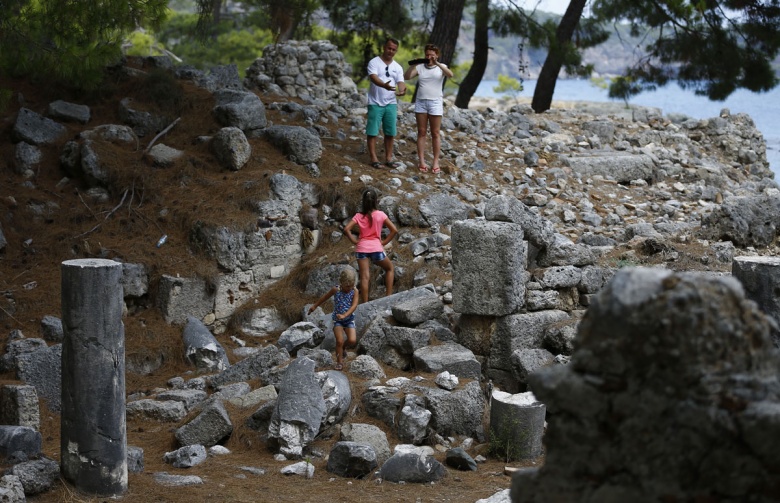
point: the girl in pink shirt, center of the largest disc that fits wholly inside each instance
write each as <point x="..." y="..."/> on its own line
<point x="371" y="246"/>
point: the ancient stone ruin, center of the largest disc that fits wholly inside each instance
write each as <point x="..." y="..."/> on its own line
<point x="672" y="391"/>
<point x="671" y="395"/>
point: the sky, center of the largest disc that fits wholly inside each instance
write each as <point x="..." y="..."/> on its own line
<point x="556" y="6"/>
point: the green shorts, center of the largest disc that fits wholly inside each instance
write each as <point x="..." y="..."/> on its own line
<point x="386" y="115"/>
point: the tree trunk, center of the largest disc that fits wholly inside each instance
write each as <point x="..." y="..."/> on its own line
<point x="470" y="83"/>
<point x="446" y="28"/>
<point x="216" y="12"/>
<point x="545" y="85"/>
<point x="283" y="23"/>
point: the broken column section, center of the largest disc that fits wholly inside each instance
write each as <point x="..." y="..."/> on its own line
<point x="93" y="433"/>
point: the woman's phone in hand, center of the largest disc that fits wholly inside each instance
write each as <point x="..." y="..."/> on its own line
<point x="418" y="61"/>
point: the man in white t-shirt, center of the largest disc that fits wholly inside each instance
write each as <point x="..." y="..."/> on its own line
<point x="387" y="82"/>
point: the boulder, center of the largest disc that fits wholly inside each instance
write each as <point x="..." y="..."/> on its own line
<point x="167" y="411"/>
<point x="413" y="421"/>
<point x="418" y="310"/>
<point x="257" y="366"/>
<point x="19" y="438"/>
<point x="42" y="368"/>
<point x="414" y="468"/>
<point x="201" y="348"/>
<point x="298" y="143"/>
<point x="231" y="148"/>
<point x="456" y="412"/>
<point x="186" y="457"/>
<point x="37" y="476"/>
<point x="367" y="434"/>
<point x="299" y="409"/>
<point x="19" y="406"/>
<point x="451" y="357"/>
<point x="239" y="109"/>
<point x="208" y="428"/>
<point x="460" y="460"/>
<point x="36" y="129"/>
<point x="351" y="459"/>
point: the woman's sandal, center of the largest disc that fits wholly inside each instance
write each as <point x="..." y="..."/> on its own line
<point x="436" y="170"/>
<point x="423" y="169"/>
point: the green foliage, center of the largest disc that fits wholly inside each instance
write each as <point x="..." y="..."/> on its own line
<point x="712" y="48"/>
<point x="70" y="42"/>
<point x="361" y="28"/>
<point x="230" y="44"/>
<point x="5" y="99"/>
<point x="285" y="19"/>
<point x="624" y="87"/>
<point x="142" y="43"/>
<point x="505" y="443"/>
<point x="627" y="261"/>
<point x="509" y="86"/>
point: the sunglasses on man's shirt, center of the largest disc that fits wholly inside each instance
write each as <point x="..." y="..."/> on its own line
<point x="387" y="73"/>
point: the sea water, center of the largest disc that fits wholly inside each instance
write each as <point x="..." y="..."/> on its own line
<point x="763" y="108"/>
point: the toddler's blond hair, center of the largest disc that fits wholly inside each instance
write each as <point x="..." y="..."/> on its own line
<point x="347" y="277"/>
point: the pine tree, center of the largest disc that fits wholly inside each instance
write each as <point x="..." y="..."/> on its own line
<point x="711" y="47"/>
<point x="69" y="41"/>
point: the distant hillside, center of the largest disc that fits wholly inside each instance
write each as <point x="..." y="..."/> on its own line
<point x="610" y="58"/>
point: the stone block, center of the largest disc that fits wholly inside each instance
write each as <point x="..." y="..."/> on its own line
<point x="488" y="266"/>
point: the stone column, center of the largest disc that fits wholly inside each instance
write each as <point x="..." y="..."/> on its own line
<point x="93" y="444"/>
<point x="760" y="277"/>
<point x="516" y="425"/>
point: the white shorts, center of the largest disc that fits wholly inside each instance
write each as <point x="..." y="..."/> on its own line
<point x="430" y="107"/>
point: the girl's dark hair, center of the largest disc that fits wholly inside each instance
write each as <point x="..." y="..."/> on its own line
<point x="369" y="204"/>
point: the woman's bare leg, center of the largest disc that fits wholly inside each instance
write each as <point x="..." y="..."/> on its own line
<point x="422" y="130"/>
<point x="435" y="121"/>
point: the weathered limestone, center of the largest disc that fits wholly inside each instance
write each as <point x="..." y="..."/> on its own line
<point x="675" y="382"/>
<point x="19" y="438"/>
<point x="351" y="459"/>
<point x="618" y="165"/>
<point x="179" y="298"/>
<point x="488" y="262"/>
<point x="760" y="277"/>
<point x="208" y="428"/>
<point x="517" y="424"/>
<point x="367" y="434"/>
<point x="299" y="409"/>
<point x="93" y="442"/>
<point x="19" y="406"/>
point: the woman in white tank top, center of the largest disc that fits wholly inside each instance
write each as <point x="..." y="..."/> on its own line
<point x="429" y="105"/>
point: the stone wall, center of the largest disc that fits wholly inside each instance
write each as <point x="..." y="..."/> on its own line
<point x="313" y="70"/>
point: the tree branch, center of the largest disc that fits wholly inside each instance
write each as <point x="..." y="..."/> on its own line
<point x="170" y="126"/>
<point x="107" y="217"/>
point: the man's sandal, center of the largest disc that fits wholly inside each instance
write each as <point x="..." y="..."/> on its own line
<point x="377" y="165"/>
<point x="393" y="164"/>
<point x="339" y="366"/>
